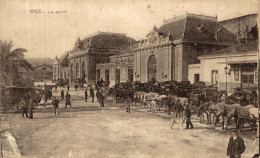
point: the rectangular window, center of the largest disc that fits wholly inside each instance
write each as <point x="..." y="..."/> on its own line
<point x="130" y="75"/>
<point x="196" y="77"/>
<point x="236" y="75"/>
<point x="251" y="78"/>
<point x="98" y="74"/>
<point x="117" y="76"/>
<point x="107" y="75"/>
<point x="244" y="79"/>
<point x="214" y="76"/>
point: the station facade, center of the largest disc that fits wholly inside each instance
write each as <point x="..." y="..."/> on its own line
<point x="186" y="48"/>
<point x="235" y="66"/>
<point x="166" y="52"/>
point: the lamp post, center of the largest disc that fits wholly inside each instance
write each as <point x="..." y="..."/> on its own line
<point x="227" y="73"/>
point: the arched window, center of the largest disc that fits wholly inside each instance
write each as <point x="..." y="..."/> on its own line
<point x="71" y="72"/>
<point x="77" y="70"/>
<point x="83" y="71"/>
<point x="152" y="68"/>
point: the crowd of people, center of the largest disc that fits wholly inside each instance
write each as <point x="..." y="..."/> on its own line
<point x="181" y="114"/>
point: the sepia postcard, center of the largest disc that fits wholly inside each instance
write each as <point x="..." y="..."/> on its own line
<point x="129" y="78"/>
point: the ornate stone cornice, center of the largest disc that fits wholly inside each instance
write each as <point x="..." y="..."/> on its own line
<point x="162" y="45"/>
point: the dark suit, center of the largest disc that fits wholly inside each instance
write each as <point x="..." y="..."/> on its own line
<point x="86" y="95"/>
<point x="62" y="94"/>
<point x="235" y="147"/>
<point x="101" y="99"/>
<point x="55" y="103"/>
<point x="24" y="108"/>
<point x="92" y="94"/>
<point x="67" y="100"/>
<point x="187" y="114"/>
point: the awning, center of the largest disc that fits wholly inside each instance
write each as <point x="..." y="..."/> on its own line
<point x="242" y="62"/>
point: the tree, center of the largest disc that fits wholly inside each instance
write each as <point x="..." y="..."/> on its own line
<point x="11" y="62"/>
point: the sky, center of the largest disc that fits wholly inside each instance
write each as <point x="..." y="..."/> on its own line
<point x="46" y="34"/>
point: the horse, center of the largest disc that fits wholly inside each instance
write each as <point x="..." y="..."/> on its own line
<point x="223" y="111"/>
<point x="243" y="115"/>
<point x="150" y="99"/>
<point x="201" y="110"/>
<point x="160" y="100"/>
<point x="211" y="109"/>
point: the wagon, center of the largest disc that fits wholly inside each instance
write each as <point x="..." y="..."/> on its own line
<point x="11" y="96"/>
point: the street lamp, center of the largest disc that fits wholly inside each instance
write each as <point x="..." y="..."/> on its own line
<point x="227" y="72"/>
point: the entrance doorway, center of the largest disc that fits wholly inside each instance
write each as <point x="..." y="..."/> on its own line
<point x="117" y="76"/>
<point x="248" y="76"/>
<point x="152" y="68"/>
<point x="247" y="79"/>
<point x="107" y="75"/>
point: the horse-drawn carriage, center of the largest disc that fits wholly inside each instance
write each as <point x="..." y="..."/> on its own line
<point x="243" y="97"/>
<point x="12" y="95"/>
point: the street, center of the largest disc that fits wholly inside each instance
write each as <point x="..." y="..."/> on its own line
<point x="86" y="130"/>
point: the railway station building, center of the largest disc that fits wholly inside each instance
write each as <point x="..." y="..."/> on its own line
<point x="167" y="51"/>
<point x="96" y="48"/>
<point x="235" y="66"/>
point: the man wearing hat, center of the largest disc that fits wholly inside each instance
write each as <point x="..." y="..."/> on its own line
<point x="236" y="145"/>
<point x="86" y="95"/>
<point x="55" y="103"/>
<point x="67" y="102"/>
<point x="187" y="114"/>
<point x="92" y="94"/>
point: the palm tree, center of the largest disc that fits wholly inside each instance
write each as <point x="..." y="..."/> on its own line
<point x="11" y="62"/>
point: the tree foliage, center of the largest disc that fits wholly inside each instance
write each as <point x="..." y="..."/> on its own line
<point x="12" y="61"/>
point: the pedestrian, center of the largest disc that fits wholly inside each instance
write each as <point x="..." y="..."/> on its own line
<point x="86" y="95"/>
<point x="62" y="94"/>
<point x="30" y="108"/>
<point x="56" y="88"/>
<point x="101" y="98"/>
<point x="24" y="107"/>
<point x="67" y="99"/>
<point x="187" y="114"/>
<point x="55" y="104"/>
<point x="236" y="145"/>
<point x="92" y="94"/>
<point x="178" y="108"/>
<point x="128" y="101"/>
<point x="68" y="87"/>
<point x="171" y="105"/>
<point x="76" y="87"/>
<point x="98" y="94"/>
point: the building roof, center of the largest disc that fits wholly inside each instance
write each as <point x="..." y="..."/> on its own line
<point x="40" y="61"/>
<point x="43" y="65"/>
<point x="64" y="59"/>
<point x="103" y="40"/>
<point x="196" y="28"/>
<point x="242" y="48"/>
<point x="234" y="24"/>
